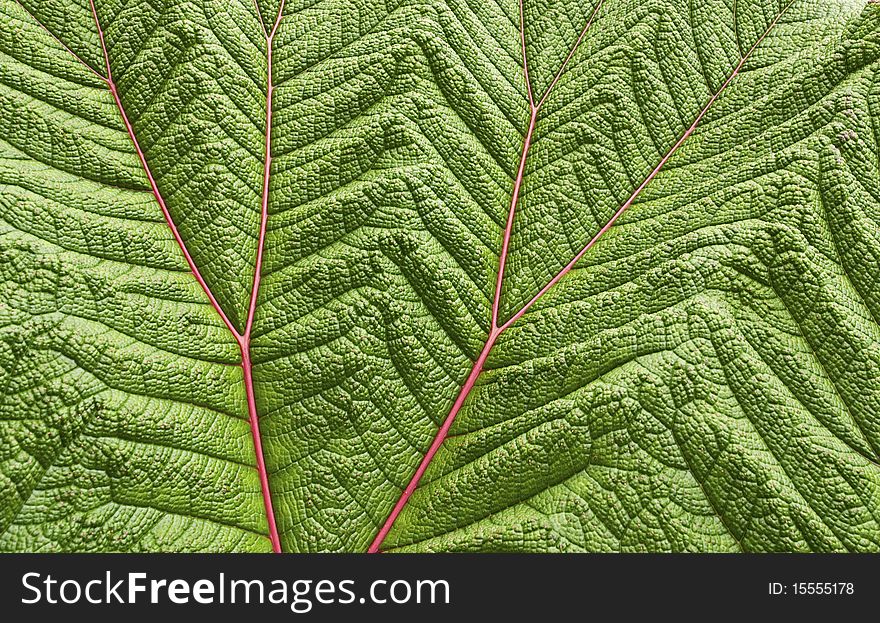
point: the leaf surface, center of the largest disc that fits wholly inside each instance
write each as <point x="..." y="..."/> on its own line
<point x="434" y="276"/>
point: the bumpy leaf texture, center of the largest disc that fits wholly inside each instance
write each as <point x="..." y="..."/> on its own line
<point x="427" y="276"/>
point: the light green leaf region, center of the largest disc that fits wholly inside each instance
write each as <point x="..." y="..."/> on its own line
<point x="705" y="377"/>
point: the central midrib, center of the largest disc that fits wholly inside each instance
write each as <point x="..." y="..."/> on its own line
<point x="243" y="339"/>
<point x="497" y="329"/>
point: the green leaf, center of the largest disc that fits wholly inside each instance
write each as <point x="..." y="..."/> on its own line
<point x="433" y="276"/>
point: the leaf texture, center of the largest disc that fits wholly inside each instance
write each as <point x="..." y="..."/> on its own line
<point x="439" y="276"/>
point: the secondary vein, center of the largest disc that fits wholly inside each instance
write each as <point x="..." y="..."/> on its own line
<point x="495" y="329"/>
